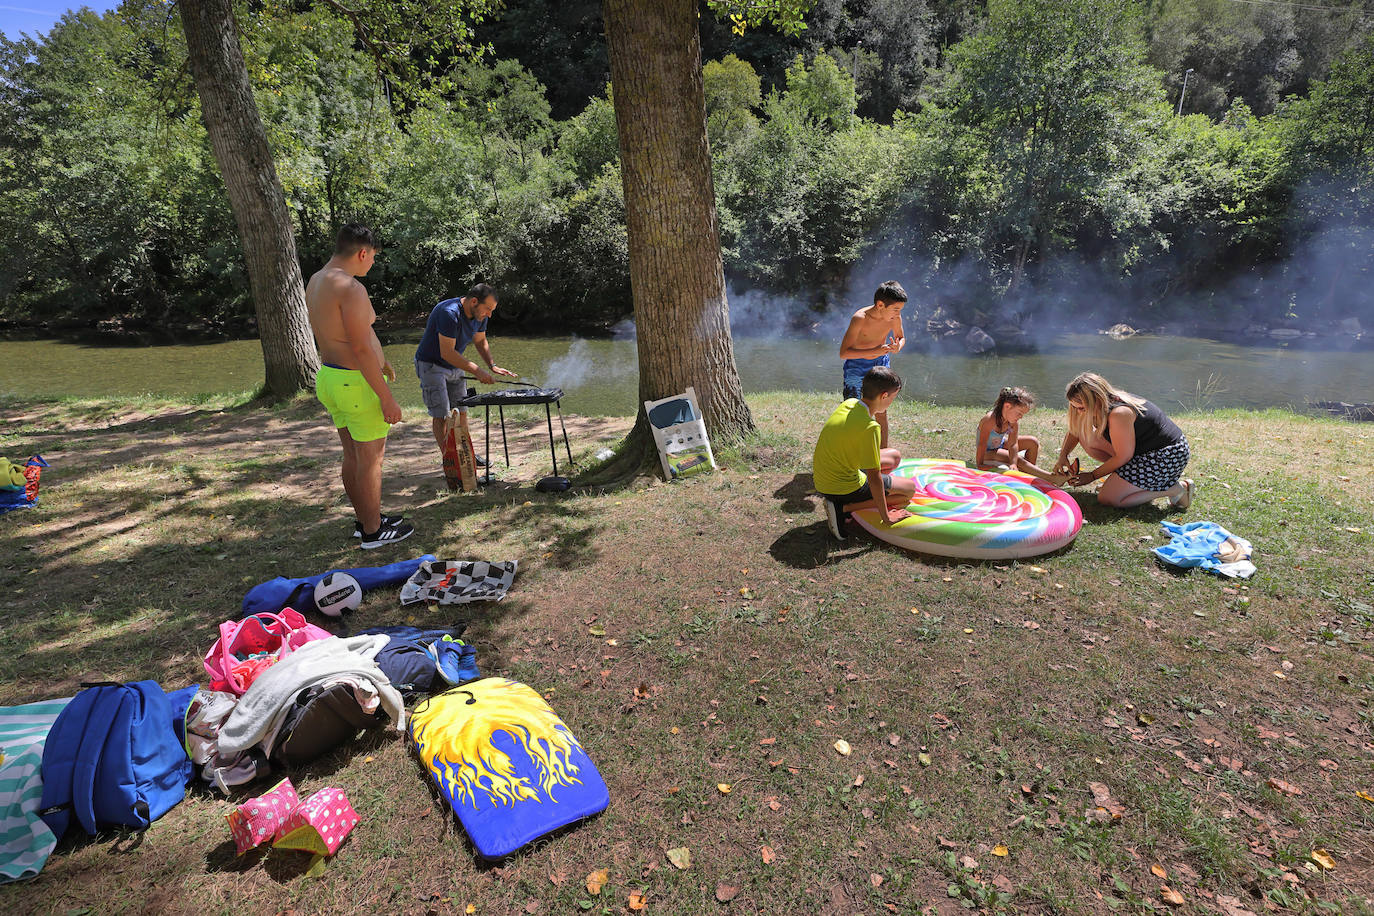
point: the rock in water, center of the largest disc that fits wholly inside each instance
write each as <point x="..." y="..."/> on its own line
<point x="978" y="341"/>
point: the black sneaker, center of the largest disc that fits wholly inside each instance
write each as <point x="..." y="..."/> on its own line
<point x="390" y="533"/>
<point x="386" y="520"/>
<point x="478" y="460"/>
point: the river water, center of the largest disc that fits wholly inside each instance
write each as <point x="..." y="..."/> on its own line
<point x="599" y="376"/>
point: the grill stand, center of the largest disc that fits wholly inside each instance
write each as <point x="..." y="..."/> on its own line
<point x="505" y="446"/>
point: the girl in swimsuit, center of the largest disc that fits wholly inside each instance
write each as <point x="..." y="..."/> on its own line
<point x="998" y="441"/>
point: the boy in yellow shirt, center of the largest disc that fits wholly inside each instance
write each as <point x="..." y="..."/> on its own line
<point x="852" y="463"/>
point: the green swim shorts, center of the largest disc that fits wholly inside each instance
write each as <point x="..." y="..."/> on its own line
<point x="351" y="403"/>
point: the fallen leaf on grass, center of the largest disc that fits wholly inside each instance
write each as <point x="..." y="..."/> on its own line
<point x="1230" y="906"/>
<point x="923" y="759"/>
<point x="946" y="844"/>
<point x="765" y="742"/>
<point x="875" y="879"/>
<point x="968" y="862"/>
<point x="597" y="630"/>
<point x="774" y="804"/>
<point x="1000" y="850"/>
<point x="1159" y="871"/>
<point x="681" y="857"/>
<point x="1287" y="788"/>
<point x="1171" y="896"/>
<point x="637" y="900"/>
<point x="723" y="788"/>
<point x="768" y="855"/>
<point x="1106" y="808"/>
<point x="1030" y="624"/>
<point x="842" y="747"/>
<point x="597" y="880"/>
<point x="726" y="892"/>
<point x="1323" y="858"/>
<point x="470" y="909"/>
<point x="894" y="739"/>
<point x="532" y="906"/>
<point x="1361" y="793"/>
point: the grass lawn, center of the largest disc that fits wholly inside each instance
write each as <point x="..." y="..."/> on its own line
<point x="1083" y="732"/>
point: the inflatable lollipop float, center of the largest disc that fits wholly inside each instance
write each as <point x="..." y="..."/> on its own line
<point x="959" y="511"/>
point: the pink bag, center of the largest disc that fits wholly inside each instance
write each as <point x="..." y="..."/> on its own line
<point x="320" y="824"/>
<point x="263" y="819"/>
<point x="267" y="636"/>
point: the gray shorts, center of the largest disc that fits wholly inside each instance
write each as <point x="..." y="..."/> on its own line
<point x="440" y="387"/>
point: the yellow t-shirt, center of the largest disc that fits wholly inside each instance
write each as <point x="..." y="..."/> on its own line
<point x="849" y="443"/>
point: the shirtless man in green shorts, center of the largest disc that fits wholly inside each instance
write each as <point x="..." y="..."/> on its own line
<point x="352" y="382"/>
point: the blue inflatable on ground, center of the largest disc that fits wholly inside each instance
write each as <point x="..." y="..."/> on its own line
<point x="506" y="764"/>
<point x="282" y="592"/>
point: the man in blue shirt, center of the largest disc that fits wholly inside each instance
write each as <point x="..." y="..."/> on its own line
<point x="439" y="360"/>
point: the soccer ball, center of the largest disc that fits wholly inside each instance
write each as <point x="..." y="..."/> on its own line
<point x="336" y="593"/>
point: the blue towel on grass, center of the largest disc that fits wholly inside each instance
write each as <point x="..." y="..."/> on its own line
<point x="300" y="593"/>
<point x="1201" y="544"/>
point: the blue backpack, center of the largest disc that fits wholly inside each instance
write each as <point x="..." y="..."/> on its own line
<point x="115" y="757"/>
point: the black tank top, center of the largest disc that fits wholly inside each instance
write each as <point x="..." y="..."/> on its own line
<point x="1153" y="430"/>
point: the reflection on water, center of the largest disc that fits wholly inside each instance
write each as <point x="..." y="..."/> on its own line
<point x="600" y="378"/>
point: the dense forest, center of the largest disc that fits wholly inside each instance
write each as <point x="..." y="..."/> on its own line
<point x="1013" y="160"/>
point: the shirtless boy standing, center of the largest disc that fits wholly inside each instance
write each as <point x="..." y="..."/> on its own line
<point x="352" y="382"/>
<point x="874" y="334"/>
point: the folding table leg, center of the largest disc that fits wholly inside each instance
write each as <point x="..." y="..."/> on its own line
<point x="553" y="451"/>
<point x="487" y="447"/>
<point x="566" y="447"/>
<point x="505" y="447"/>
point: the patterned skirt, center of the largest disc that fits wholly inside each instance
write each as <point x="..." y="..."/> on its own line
<point x="1158" y="470"/>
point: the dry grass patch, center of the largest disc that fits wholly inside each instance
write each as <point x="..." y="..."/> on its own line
<point x="708" y="634"/>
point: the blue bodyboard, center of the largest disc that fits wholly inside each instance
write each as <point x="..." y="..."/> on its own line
<point x="506" y="764"/>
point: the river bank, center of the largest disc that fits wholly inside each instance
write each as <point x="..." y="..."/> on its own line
<point x="709" y="646"/>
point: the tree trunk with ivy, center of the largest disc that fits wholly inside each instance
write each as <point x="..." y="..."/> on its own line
<point x="239" y="141"/>
<point x="676" y="275"/>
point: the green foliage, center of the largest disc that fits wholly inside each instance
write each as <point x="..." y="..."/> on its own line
<point x="1054" y="93"/>
<point x="1034" y="138"/>
<point x="733" y="91"/>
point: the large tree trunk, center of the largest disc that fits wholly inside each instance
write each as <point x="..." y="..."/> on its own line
<point x="676" y="275"/>
<point x="255" y="193"/>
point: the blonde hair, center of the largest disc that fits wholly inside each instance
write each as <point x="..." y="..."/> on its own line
<point x="1097" y="395"/>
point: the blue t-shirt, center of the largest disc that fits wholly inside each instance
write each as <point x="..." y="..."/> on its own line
<point x="449" y="320"/>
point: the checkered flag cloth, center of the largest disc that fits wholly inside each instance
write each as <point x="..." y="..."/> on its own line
<point x="459" y="581"/>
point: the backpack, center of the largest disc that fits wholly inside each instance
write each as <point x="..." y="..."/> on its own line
<point x="418" y="661"/>
<point x="320" y="719"/>
<point x="115" y="757"/>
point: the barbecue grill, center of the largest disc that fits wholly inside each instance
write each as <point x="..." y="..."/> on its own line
<point x="527" y="394"/>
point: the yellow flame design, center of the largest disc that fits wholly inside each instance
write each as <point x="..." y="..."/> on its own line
<point x="454" y="733"/>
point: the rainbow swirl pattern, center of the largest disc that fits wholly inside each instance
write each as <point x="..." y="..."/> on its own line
<point x="962" y="512"/>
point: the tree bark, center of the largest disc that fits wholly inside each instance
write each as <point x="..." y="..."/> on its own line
<point x="255" y="193"/>
<point x="676" y="275"/>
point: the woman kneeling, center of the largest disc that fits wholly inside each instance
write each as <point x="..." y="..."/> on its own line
<point x="1143" y="452"/>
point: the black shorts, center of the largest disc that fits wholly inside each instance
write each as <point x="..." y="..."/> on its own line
<point x="859" y="495"/>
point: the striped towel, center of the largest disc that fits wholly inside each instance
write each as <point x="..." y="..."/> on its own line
<point x="25" y="841"/>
